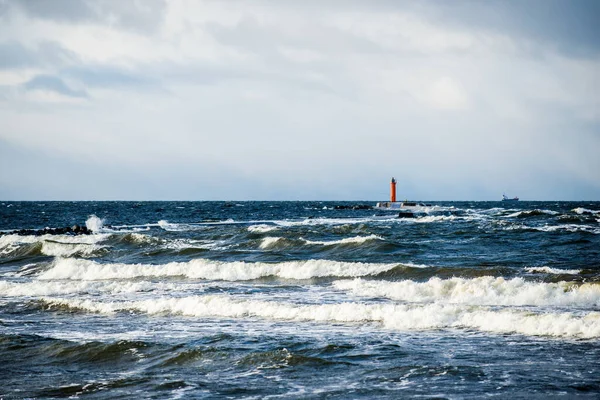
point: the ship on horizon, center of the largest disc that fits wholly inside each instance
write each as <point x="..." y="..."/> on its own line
<point x="506" y="198"/>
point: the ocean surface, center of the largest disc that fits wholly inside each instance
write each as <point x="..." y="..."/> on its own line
<point x="300" y="300"/>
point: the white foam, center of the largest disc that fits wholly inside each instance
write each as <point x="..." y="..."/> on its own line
<point x="181" y="244"/>
<point x="79" y="269"/>
<point x="435" y="218"/>
<point x="10" y="243"/>
<point x="566" y="227"/>
<point x="557" y="271"/>
<point x="392" y="316"/>
<point x="356" y="239"/>
<point x="581" y="210"/>
<point x="52" y="248"/>
<point x="531" y="212"/>
<point x="167" y="226"/>
<point x="478" y="291"/>
<point x="52" y="288"/>
<point x="63" y="245"/>
<point x="322" y="221"/>
<point x="270" y="241"/>
<point x="261" y="228"/>
<point x="94" y="223"/>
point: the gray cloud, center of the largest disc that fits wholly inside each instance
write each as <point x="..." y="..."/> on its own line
<point x="15" y="55"/>
<point x="304" y="100"/>
<point x="570" y="27"/>
<point x="54" y="84"/>
<point x="143" y="17"/>
<point x="103" y="76"/>
<point x="47" y="53"/>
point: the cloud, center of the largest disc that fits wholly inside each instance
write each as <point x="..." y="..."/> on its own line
<point x="15" y="55"/>
<point x="53" y="84"/>
<point x="143" y="17"/>
<point x="305" y="100"/>
<point x="103" y="76"/>
<point x="568" y="27"/>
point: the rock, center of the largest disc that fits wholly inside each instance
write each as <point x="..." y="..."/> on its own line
<point x="74" y="230"/>
<point x="406" y="214"/>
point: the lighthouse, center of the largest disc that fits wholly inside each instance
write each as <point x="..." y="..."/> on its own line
<point x="393" y="190"/>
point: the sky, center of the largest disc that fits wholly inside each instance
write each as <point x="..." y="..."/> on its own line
<point x="299" y="100"/>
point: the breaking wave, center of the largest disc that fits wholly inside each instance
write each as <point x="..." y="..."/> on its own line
<point x="581" y="210"/>
<point x="270" y="241"/>
<point x="354" y="240"/>
<point x="478" y="291"/>
<point x="52" y="288"/>
<point x="531" y="213"/>
<point x="78" y="269"/>
<point x="401" y="317"/>
<point x="557" y="271"/>
<point x="53" y="245"/>
<point x="566" y="227"/>
<point x="262" y="228"/>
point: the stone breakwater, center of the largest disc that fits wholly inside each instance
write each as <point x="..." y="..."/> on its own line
<point x="73" y="230"/>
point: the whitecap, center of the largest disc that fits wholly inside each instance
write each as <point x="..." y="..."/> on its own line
<point x="80" y="269"/>
<point x="478" y="291"/>
<point x="403" y="317"/>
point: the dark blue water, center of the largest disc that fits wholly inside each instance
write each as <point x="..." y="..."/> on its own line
<point x="300" y="300"/>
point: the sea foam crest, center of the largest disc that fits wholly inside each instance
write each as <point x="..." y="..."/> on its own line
<point x="566" y="227"/>
<point x="59" y="249"/>
<point x="356" y="240"/>
<point x="557" y="271"/>
<point x="322" y="221"/>
<point x="78" y="269"/>
<point x="53" y="288"/>
<point x="261" y="228"/>
<point x="54" y="245"/>
<point x="525" y="213"/>
<point x="478" y="291"/>
<point x="167" y="226"/>
<point x="392" y="316"/>
<point x="581" y="210"/>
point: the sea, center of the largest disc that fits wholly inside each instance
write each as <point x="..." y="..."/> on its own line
<point x="307" y="300"/>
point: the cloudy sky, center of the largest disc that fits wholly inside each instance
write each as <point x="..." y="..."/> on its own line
<point x="299" y="100"/>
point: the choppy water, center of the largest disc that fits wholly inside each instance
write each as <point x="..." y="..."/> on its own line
<point x="296" y="299"/>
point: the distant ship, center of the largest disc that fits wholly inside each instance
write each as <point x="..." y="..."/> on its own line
<point x="504" y="198"/>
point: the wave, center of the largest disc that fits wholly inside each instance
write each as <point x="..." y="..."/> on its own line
<point x="78" y="269"/>
<point x="351" y="240"/>
<point x="435" y="218"/>
<point x="279" y="242"/>
<point x="322" y="221"/>
<point x="566" y="227"/>
<point x="478" y="291"/>
<point x="271" y="241"/>
<point x="53" y="245"/>
<point x="557" y="271"/>
<point x="179" y="227"/>
<point x="531" y="213"/>
<point x="571" y="228"/>
<point x="53" y="288"/>
<point x="391" y="316"/>
<point x="167" y="226"/>
<point x="261" y="228"/>
<point x="52" y="248"/>
<point x="444" y="218"/>
<point x="581" y="210"/>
